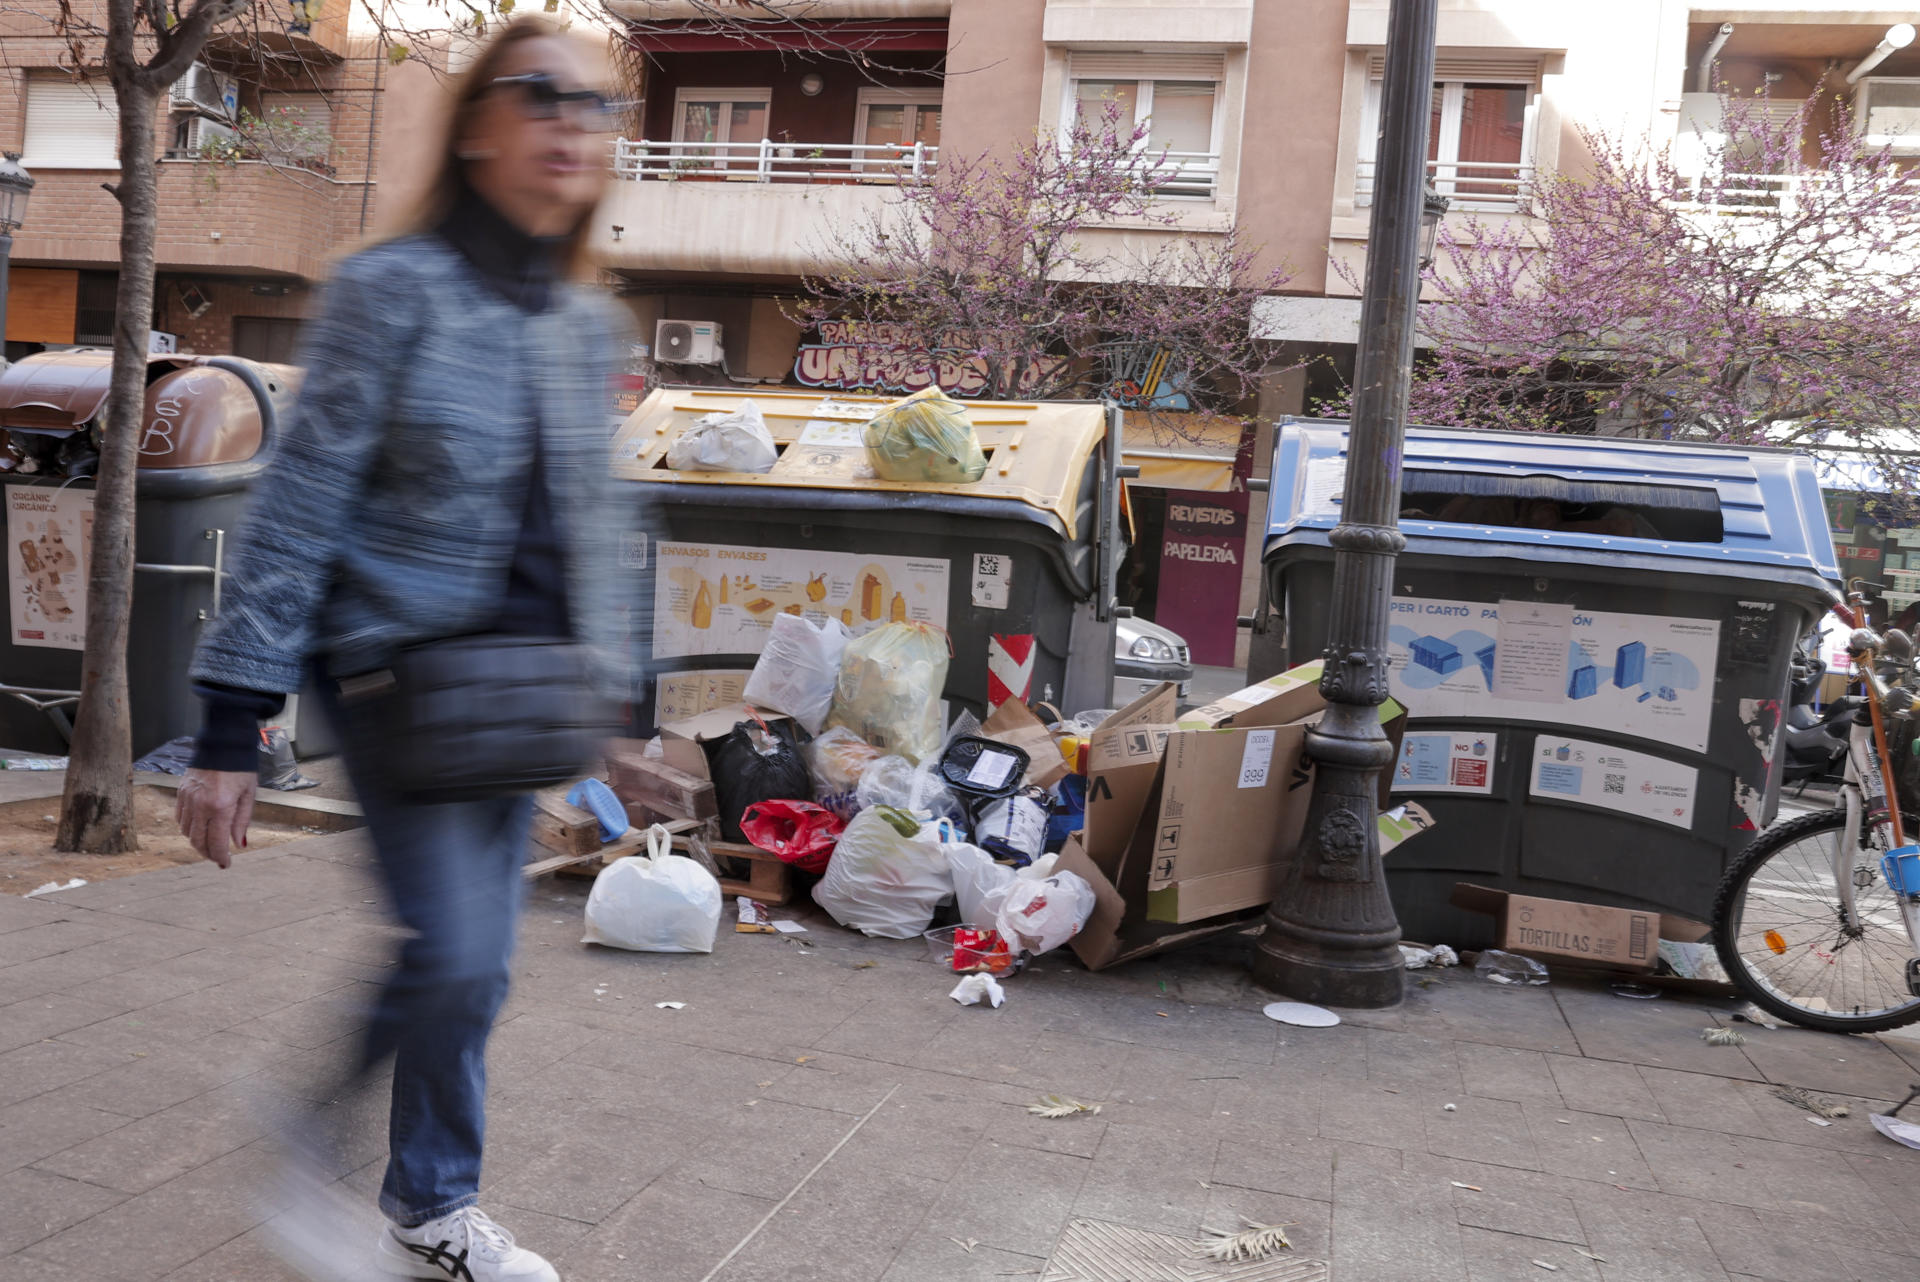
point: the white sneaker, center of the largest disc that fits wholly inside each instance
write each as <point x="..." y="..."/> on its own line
<point x="466" y="1246"/>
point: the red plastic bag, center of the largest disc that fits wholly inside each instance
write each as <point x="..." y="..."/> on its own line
<point x="799" y="832"/>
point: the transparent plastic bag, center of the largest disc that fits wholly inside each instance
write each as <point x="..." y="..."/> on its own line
<point x="887" y="876"/>
<point x="1509" y="968"/>
<point x="889" y="688"/>
<point x="731" y="442"/>
<point x="1038" y="914"/>
<point x="837" y="759"/>
<point x="895" y="781"/>
<point x="798" y="668"/>
<point x="925" y="437"/>
<point x="657" y="903"/>
<point x="979" y="884"/>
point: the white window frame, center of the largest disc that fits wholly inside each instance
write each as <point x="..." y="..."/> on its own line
<point x="883" y="97"/>
<point x="728" y="95"/>
<point x="57" y="81"/>
<point x="1143" y="111"/>
<point x="1453" y="101"/>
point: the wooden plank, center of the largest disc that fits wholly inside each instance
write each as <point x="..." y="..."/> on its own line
<point x="770" y="879"/>
<point x="662" y="788"/>
<point x="590" y="864"/>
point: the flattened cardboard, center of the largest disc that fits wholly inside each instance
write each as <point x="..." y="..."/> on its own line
<point x="1590" y="934"/>
<point x="1109" y="938"/>
<point x="1211" y="819"/>
<point x="1014" y="723"/>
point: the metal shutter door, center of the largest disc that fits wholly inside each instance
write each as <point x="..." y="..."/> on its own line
<point x="70" y="126"/>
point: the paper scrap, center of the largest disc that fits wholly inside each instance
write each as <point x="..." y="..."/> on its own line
<point x="789" y="928"/>
<point x="52" y="886"/>
<point x="975" y="989"/>
<point x="1256" y="758"/>
<point x="991" y="769"/>
<point x="669" y="1005"/>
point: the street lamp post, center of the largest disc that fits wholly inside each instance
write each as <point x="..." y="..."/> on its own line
<point x="1331" y="935"/>
<point x="15" y="184"/>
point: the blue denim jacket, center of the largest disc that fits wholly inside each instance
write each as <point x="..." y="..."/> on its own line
<point x="389" y="513"/>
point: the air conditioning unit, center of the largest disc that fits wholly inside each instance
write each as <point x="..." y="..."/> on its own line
<point x="204" y="89"/>
<point x="196" y="132"/>
<point x="1886" y="113"/>
<point x="679" y="342"/>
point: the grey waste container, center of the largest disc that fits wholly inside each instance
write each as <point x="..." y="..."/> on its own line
<point x="1592" y="637"/>
<point x="207" y="425"/>
<point x="1017" y="567"/>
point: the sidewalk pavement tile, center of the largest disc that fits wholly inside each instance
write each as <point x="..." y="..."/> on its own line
<point x="1863" y="1066"/>
<point x="33" y="1019"/>
<point x="929" y="1254"/>
<point x="174" y="1071"/>
<point x="1149" y="1177"/>
<point x="50" y="1064"/>
<point x="1393" y="1228"/>
<point x="1587" y="1146"/>
<point x="1308" y="1223"/>
<point x="1411" y="1061"/>
<point x="1301" y="1168"/>
<point x="1663" y="1033"/>
<point x="1013" y="1199"/>
<point x="45" y="1125"/>
<point x="1749" y="1172"/>
<point x="1603" y="1086"/>
<point x="1505" y="1206"/>
<point x="1715" y="1103"/>
<point x="1490" y="1131"/>
<point x="588" y="1166"/>
<point x="1505" y="1257"/>
<point x="156" y="1148"/>
<point x="675" y="1230"/>
<point x="846" y="1225"/>
<point x="1507" y="1073"/>
<point x="1650" y="1237"/>
<point x="1756" y="1244"/>
<point x="768" y="1151"/>
<point x="40" y="1204"/>
<point x="247" y="1258"/>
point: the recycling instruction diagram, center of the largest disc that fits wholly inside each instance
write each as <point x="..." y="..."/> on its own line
<point x="710" y="598"/>
<point x="1646" y="675"/>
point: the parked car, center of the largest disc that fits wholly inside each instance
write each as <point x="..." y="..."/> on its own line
<point x="1144" y="655"/>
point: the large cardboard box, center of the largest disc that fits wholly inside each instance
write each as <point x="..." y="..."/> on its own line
<point x="1229" y="802"/>
<point x="1590" y="934"/>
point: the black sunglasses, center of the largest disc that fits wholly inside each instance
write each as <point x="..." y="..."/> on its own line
<point x="542" y="98"/>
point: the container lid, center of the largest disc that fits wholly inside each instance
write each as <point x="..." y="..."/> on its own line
<point x="1658" y="504"/>
<point x="58" y="392"/>
<point x="983" y="767"/>
<point x="1036" y="452"/>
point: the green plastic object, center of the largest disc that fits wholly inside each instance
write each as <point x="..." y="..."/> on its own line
<point x="926" y="437"/>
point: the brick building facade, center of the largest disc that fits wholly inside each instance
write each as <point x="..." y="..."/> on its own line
<point x="241" y="240"/>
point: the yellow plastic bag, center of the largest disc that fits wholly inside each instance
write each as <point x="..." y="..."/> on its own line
<point x="926" y="437"/>
<point x="888" y="691"/>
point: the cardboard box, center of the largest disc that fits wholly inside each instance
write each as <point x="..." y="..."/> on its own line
<point x="1229" y="802"/>
<point x="681" y="740"/>
<point x="1113" y="934"/>
<point x="1591" y="934"/>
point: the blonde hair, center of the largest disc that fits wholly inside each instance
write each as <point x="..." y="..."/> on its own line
<point x="443" y="189"/>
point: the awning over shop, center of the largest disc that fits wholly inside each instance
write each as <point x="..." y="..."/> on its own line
<point x="1182" y="451"/>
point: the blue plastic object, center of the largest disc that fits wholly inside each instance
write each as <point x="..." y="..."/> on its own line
<point x="1901" y="867"/>
<point x="1484" y="656"/>
<point x="598" y="800"/>
<point x="1584" y="683"/>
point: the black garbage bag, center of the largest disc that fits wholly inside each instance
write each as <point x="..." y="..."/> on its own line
<point x="756" y="762"/>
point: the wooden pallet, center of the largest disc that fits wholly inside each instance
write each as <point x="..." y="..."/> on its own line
<point x="590" y="863"/>
<point x="770" y="881"/>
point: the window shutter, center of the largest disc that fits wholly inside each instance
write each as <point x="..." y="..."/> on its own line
<point x="70" y="126"/>
<point x="1516" y="67"/>
<point x="1089" y="65"/>
<point x="292" y="112"/>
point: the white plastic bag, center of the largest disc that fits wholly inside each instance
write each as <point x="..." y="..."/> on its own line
<point x="1039" y="914"/>
<point x="735" y="442"/>
<point x="797" y="668"/>
<point x="659" y="903"/>
<point x="895" y="781"/>
<point x="979" y="884"/>
<point x="883" y="881"/>
<point x="889" y="688"/>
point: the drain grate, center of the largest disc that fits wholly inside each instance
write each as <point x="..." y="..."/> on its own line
<point x="1095" y="1251"/>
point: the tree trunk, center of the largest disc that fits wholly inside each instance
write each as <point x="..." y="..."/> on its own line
<point x="96" y="815"/>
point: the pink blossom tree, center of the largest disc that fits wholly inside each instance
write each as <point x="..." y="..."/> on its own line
<point x="1760" y="292"/>
<point x="1012" y="265"/>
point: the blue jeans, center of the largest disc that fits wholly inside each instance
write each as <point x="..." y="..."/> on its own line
<point x="453" y="875"/>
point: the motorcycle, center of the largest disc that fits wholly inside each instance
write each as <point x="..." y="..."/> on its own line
<point x="1816" y="741"/>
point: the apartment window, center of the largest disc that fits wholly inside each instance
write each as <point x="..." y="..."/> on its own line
<point x="69" y="126"/>
<point x="1479" y="135"/>
<point x="725" y="116"/>
<point x="899" y="117"/>
<point x="299" y="126"/>
<point x="1175" y="98"/>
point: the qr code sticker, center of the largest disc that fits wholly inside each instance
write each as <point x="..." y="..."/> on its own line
<point x="1616" y="785"/>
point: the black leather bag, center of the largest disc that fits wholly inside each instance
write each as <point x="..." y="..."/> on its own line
<point x="481" y="716"/>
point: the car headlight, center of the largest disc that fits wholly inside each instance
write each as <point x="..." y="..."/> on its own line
<point x="1152" y="649"/>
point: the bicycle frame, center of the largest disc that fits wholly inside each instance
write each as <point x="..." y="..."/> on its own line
<point x="1863" y="794"/>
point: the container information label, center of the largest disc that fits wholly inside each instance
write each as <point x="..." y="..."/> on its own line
<point x="679" y="695"/>
<point x="1646" y="675"/>
<point x="991" y="769"/>
<point x="992" y="581"/>
<point x="709" y="598"/>
<point x="1256" y="759"/>
<point x="1446" y="761"/>
<point x="49" y="546"/>
<point x="1632" y="783"/>
<point x="836" y="432"/>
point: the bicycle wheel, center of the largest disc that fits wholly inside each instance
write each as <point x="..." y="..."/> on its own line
<point x="1777" y="927"/>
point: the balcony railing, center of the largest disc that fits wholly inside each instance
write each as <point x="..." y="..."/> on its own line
<point x="1190" y="175"/>
<point x="1477" y="186"/>
<point x="769" y="161"/>
<point x="1741" y="194"/>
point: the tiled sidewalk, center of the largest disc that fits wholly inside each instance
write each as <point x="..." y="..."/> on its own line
<point x="141" y="1018"/>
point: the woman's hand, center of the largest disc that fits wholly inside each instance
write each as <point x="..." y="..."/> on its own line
<point x="214" y="808"/>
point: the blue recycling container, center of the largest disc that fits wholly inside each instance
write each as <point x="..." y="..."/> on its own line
<point x="1592" y="636"/>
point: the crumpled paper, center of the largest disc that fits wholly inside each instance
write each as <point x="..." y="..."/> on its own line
<point x="974" y="989"/>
